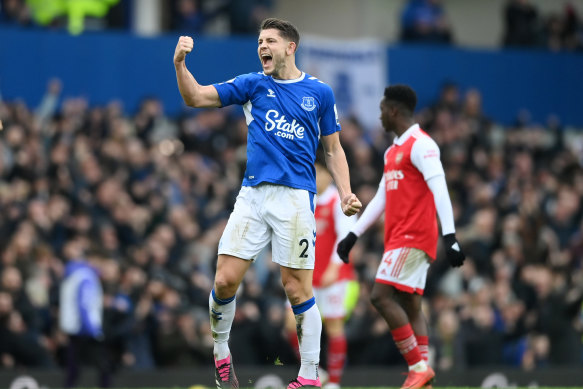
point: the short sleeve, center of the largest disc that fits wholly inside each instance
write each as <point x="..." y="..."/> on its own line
<point x="235" y="91"/>
<point x="329" y="122"/>
<point x="425" y="157"/>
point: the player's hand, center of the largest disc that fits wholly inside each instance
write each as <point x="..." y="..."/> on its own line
<point x="453" y="251"/>
<point x="351" y="205"/>
<point x="183" y="47"/>
<point x="345" y="245"/>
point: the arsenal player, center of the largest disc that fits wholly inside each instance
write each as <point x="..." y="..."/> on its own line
<point x="411" y="192"/>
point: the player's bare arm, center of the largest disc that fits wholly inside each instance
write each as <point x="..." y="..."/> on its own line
<point x="193" y="94"/>
<point x="330" y="275"/>
<point x="338" y="167"/>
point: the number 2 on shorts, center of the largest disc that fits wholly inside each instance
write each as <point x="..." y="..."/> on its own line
<point x="304" y="253"/>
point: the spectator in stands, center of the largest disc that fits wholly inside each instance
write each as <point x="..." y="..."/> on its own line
<point x="19" y="346"/>
<point x="449" y="347"/>
<point x="81" y="317"/>
<point x="245" y="16"/>
<point x="449" y="98"/>
<point x="563" y="32"/>
<point x="536" y="356"/>
<point x="520" y="24"/>
<point x="558" y="307"/>
<point x="11" y="282"/>
<point x="14" y="11"/>
<point x="188" y="16"/>
<point x="573" y="32"/>
<point x="425" y="21"/>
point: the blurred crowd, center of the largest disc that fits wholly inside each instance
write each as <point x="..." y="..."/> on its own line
<point x="526" y="27"/>
<point x="424" y="21"/>
<point x="145" y="198"/>
<point x="214" y="17"/>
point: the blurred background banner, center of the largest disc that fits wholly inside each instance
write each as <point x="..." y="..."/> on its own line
<point x="356" y="70"/>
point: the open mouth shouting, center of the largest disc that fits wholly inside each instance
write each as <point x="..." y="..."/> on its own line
<point x="266" y="60"/>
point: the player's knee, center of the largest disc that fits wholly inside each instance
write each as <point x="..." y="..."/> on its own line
<point x="292" y="291"/>
<point x="224" y="287"/>
<point x="376" y="300"/>
<point x="295" y="293"/>
<point x="380" y="300"/>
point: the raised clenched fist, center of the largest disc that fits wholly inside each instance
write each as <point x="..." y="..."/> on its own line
<point x="183" y="47"/>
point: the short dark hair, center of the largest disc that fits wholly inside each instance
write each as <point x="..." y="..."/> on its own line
<point x="403" y="95"/>
<point x="286" y="29"/>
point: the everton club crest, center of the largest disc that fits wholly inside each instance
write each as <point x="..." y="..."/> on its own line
<point x="308" y="103"/>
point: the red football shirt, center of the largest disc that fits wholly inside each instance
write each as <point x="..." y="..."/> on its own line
<point x="410" y="214"/>
<point x="331" y="226"/>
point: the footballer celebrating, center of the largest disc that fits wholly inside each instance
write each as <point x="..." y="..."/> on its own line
<point x="288" y="113"/>
<point x="412" y="190"/>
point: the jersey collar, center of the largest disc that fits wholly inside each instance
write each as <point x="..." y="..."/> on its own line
<point x="399" y="140"/>
<point x="300" y="78"/>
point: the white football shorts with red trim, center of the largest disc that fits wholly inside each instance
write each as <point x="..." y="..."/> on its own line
<point x="404" y="268"/>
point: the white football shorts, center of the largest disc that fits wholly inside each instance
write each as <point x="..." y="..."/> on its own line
<point x="278" y="214"/>
<point x="331" y="300"/>
<point x="405" y="269"/>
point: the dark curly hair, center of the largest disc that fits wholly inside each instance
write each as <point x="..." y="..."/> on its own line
<point x="404" y="95"/>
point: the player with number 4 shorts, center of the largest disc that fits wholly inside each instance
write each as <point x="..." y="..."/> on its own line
<point x="411" y="193"/>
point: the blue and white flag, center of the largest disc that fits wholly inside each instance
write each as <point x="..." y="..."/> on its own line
<point x="355" y="69"/>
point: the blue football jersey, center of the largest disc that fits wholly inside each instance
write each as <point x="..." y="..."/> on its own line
<point x="285" y="119"/>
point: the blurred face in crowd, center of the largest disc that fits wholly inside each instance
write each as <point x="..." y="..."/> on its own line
<point x="73" y="250"/>
<point x="5" y="304"/>
<point x="274" y="52"/>
<point x="11" y="279"/>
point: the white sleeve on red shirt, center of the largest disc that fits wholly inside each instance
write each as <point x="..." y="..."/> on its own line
<point x="342" y="225"/>
<point x="425" y="157"/>
<point x="373" y="211"/>
<point x="438" y="187"/>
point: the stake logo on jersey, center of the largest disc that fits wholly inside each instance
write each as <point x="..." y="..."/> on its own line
<point x="285" y="129"/>
<point x="285" y="119"/>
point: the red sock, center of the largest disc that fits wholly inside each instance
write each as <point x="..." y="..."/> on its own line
<point x="423" y="344"/>
<point x="336" y="358"/>
<point x="407" y="344"/>
<point x="292" y="338"/>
